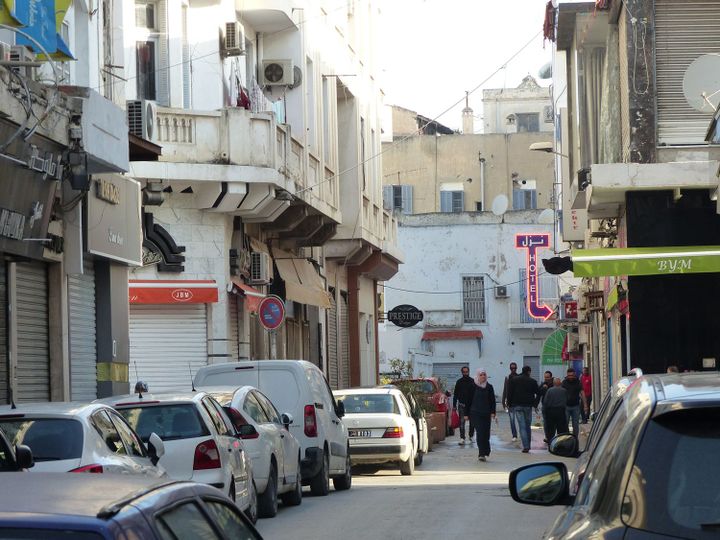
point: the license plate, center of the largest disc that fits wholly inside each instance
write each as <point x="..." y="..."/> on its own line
<point x="358" y="432"/>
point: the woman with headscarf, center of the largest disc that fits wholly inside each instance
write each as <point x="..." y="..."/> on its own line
<point x="482" y="412"/>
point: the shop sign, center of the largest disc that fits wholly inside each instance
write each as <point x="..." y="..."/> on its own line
<point x="532" y="243"/>
<point x="570" y="310"/>
<point x="107" y="191"/>
<point x="405" y="316"/>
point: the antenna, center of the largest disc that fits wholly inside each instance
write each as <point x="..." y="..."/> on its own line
<point x="701" y="83"/>
<point x="192" y="383"/>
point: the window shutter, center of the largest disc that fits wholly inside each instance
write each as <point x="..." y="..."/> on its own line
<point x="388" y="197"/>
<point x="533" y="199"/>
<point x="446" y="201"/>
<point x="163" y="75"/>
<point x="186" y="60"/>
<point x="518" y="199"/>
<point x="458" y="201"/>
<point x="407" y="202"/>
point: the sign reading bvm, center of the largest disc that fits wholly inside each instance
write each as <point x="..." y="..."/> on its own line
<point x="405" y="316"/>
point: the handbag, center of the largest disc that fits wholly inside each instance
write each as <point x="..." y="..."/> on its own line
<point x="454" y="420"/>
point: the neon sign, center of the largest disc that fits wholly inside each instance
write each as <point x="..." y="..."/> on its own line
<point x="532" y="243"/>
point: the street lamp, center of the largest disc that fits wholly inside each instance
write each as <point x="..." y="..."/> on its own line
<point x="546" y="147"/>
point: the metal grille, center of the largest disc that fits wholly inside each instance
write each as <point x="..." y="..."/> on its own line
<point x="332" y="345"/>
<point x="3" y="336"/>
<point x="474" y="299"/>
<point x="344" y="342"/>
<point x="233" y="327"/>
<point x="135" y="117"/>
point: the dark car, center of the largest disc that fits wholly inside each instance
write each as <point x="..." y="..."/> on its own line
<point x="436" y="406"/>
<point x="654" y="472"/>
<point x="14" y="457"/>
<point x="54" y="506"/>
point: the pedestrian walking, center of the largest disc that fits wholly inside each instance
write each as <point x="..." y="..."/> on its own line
<point x="545" y="385"/>
<point x="462" y="399"/>
<point x="586" y="382"/>
<point x="523" y="394"/>
<point x="575" y="400"/>
<point x="554" y="405"/>
<point x="506" y="404"/>
<point x="482" y="412"/>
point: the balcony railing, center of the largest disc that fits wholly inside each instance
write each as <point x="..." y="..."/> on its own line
<point x="520" y="318"/>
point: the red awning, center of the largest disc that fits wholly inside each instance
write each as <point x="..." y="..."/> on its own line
<point x="180" y="291"/>
<point x="451" y="334"/>
<point x="253" y="297"/>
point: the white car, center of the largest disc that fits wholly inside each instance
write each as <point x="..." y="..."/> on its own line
<point x="274" y="451"/>
<point x="380" y="427"/>
<point x="201" y="443"/>
<point x="80" y="437"/>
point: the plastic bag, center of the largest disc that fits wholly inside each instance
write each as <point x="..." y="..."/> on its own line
<point x="454" y="420"/>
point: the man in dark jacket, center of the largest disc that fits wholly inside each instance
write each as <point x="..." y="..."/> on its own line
<point x="575" y="399"/>
<point x="523" y="393"/>
<point x="545" y="385"/>
<point x="462" y="400"/>
<point x="554" y="409"/>
<point x="506" y="402"/>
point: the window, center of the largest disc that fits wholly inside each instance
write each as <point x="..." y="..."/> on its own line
<point x="268" y="407"/>
<point x="528" y="122"/>
<point x="474" y="299"/>
<point x="524" y="199"/>
<point x="108" y="432"/>
<point x="132" y="443"/>
<point x="452" y="201"/>
<point x="229" y="520"/>
<point x="170" y="422"/>
<point x="50" y="439"/>
<point x="478" y="206"/>
<point x="185" y="521"/>
<point x="254" y="409"/>
<point x="145" y="15"/>
<point x="218" y="420"/>
<point x="369" y="403"/>
<point x="398" y="197"/>
<point x="145" y="52"/>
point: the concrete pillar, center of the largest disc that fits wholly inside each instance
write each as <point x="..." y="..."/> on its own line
<point x="58" y="333"/>
<point x="112" y="328"/>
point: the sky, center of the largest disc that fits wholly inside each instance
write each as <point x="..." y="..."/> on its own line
<point x="432" y="51"/>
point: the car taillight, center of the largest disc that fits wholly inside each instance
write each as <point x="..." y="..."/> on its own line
<point x="207" y="456"/>
<point x="393" y="433"/>
<point x="94" y="468"/>
<point x="310" y="421"/>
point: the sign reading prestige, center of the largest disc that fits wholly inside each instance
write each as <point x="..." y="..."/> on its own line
<point x="405" y="316"/>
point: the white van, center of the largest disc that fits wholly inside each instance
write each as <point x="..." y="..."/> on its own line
<point x="300" y="389"/>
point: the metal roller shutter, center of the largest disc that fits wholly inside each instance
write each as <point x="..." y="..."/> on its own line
<point x="344" y="342"/>
<point x="3" y="336"/>
<point x="83" y="352"/>
<point x="233" y="331"/>
<point x="33" y="364"/>
<point x="448" y="373"/>
<point x="684" y="30"/>
<point x="332" y="345"/>
<point x="167" y="343"/>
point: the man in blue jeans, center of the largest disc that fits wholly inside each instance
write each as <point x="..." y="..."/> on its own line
<point x="575" y="398"/>
<point x="506" y="403"/>
<point x="524" y="395"/>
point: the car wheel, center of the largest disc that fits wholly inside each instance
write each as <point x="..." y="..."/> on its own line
<point x="419" y="458"/>
<point x="320" y="483"/>
<point x="252" y="509"/>
<point x="268" y="500"/>
<point x="407" y="467"/>
<point x="294" y="497"/>
<point x="344" y="482"/>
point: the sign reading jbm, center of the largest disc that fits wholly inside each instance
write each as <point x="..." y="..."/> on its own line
<point x="405" y="316"/>
<point x="532" y="243"/>
<point x="272" y="312"/>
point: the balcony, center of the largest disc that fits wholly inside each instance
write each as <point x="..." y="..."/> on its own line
<point x="267" y="15"/>
<point x="519" y="317"/>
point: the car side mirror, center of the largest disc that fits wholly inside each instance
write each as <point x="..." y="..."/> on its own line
<point x="340" y="409"/>
<point x="156" y="448"/>
<point x="24" y="457"/>
<point x="593" y="416"/>
<point x="287" y="419"/>
<point x="565" y="445"/>
<point x="543" y="484"/>
<point x="247" y="431"/>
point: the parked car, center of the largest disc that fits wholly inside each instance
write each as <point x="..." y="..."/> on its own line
<point x="418" y="414"/>
<point x="298" y="388"/>
<point x="200" y="441"/>
<point x="436" y="406"/>
<point x="14" y="457"/>
<point x="380" y="427"/>
<point x="108" y="507"/>
<point x="274" y="451"/>
<point x="80" y="437"/>
<point x="653" y="472"/>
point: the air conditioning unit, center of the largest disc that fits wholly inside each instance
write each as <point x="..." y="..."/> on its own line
<point x="259" y="268"/>
<point x="20" y="53"/>
<point x="233" y="39"/>
<point x="501" y="291"/>
<point x="142" y="118"/>
<point x="277" y="73"/>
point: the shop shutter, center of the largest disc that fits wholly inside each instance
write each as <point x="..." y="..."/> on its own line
<point x="332" y="345"/>
<point x="3" y="336"/>
<point x="448" y="373"/>
<point x="344" y="342"/>
<point x="233" y="328"/>
<point x="163" y="72"/>
<point x="33" y="364"/>
<point x="684" y="31"/>
<point x="167" y="344"/>
<point x="83" y="352"/>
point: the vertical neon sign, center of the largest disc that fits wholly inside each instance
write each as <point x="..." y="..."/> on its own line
<point x="532" y="243"/>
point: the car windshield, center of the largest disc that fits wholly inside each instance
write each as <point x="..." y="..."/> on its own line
<point x="50" y="439"/>
<point x="173" y="421"/>
<point x="673" y="487"/>
<point x="368" y="403"/>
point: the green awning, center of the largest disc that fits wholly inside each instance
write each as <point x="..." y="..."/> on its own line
<point x="552" y="348"/>
<point x="645" y="261"/>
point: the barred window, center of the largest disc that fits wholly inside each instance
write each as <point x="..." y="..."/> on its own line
<point x="474" y="299"/>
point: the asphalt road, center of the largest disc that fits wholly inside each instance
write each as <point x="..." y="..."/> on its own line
<point x="451" y="495"/>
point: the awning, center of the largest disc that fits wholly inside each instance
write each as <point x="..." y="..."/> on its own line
<point x="645" y="261"/>
<point x="302" y="282"/>
<point x="441" y="335"/>
<point x="181" y="291"/>
<point x="253" y="297"/>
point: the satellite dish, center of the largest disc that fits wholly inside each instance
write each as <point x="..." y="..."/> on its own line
<point x="547" y="216"/>
<point x="500" y="205"/>
<point x="701" y="83"/>
<point x="545" y="72"/>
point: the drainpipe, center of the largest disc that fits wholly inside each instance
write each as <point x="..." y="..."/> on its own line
<point x="353" y="284"/>
<point x="482" y="184"/>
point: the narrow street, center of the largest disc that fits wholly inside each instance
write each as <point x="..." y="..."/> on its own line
<point x="451" y="495"/>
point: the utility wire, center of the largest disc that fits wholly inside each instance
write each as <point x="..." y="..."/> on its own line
<point x="459" y="292"/>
